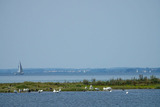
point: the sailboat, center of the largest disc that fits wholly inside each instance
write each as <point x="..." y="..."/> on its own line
<point x="20" y="70"/>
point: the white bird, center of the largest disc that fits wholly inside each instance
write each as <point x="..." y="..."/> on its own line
<point x="40" y="91"/>
<point x="85" y="87"/>
<point x="55" y="91"/>
<point x="107" y="89"/>
<point x="59" y="90"/>
<point x="19" y="90"/>
<point x="126" y="92"/>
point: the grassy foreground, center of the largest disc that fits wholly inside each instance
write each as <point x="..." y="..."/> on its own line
<point x="140" y="83"/>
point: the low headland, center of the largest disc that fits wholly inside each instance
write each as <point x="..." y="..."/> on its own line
<point x="136" y="83"/>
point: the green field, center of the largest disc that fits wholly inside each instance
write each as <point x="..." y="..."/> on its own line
<point x="140" y="83"/>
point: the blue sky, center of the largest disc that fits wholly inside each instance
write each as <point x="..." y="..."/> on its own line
<point x="79" y="33"/>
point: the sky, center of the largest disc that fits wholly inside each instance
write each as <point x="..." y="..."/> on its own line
<point x="79" y="33"/>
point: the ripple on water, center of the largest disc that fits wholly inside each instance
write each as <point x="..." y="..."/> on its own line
<point x="116" y="98"/>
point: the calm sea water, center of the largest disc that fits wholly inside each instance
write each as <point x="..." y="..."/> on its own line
<point x="67" y="75"/>
<point x="116" y="98"/>
<point x="67" y="78"/>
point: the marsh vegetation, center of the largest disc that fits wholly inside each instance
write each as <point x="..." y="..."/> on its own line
<point x="136" y="83"/>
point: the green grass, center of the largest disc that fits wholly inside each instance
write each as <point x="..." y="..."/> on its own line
<point x="21" y="86"/>
<point x="141" y="83"/>
<point x="10" y="87"/>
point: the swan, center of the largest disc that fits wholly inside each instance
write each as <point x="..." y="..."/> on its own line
<point x="40" y="91"/>
<point x="126" y="92"/>
<point x="55" y="91"/>
<point x="59" y="90"/>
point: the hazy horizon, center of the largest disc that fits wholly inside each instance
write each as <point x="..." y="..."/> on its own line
<point x="79" y="34"/>
<point x="81" y="68"/>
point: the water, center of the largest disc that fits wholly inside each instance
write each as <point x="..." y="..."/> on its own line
<point x="63" y="78"/>
<point x="43" y="75"/>
<point x="116" y="98"/>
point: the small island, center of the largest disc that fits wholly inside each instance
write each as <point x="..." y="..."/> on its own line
<point x="136" y="83"/>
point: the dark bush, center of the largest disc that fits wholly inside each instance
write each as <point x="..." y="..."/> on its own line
<point x="86" y="82"/>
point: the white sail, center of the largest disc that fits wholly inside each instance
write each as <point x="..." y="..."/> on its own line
<point x="20" y="70"/>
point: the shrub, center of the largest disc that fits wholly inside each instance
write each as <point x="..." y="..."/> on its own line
<point x="86" y="82"/>
<point x="93" y="81"/>
<point x="22" y="86"/>
<point x="78" y="85"/>
<point x="158" y="87"/>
